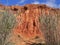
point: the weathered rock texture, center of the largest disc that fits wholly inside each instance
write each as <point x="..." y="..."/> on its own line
<point x="36" y="25"/>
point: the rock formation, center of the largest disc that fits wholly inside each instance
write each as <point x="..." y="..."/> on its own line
<point x="35" y="25"/>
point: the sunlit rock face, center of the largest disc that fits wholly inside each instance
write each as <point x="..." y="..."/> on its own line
<point x="35" y="25"/>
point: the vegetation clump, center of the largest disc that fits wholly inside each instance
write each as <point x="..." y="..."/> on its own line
<point x="7" y="22"/>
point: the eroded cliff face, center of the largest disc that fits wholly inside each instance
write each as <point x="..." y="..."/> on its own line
<point x="36" y="25"/>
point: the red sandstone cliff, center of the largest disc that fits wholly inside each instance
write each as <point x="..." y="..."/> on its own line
<point x="32" y="26"/>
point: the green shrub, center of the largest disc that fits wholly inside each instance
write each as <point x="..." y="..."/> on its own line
<point x="7" y="22"/>
<point x="49" y="25"/>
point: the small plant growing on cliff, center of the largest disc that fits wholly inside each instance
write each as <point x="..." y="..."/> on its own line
<point x="7" y="22"/>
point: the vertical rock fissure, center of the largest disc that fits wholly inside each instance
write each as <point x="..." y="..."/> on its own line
<point x="34" y="23"/>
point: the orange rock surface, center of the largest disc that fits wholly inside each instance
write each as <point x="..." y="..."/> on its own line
<point x="27" y="29"/>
